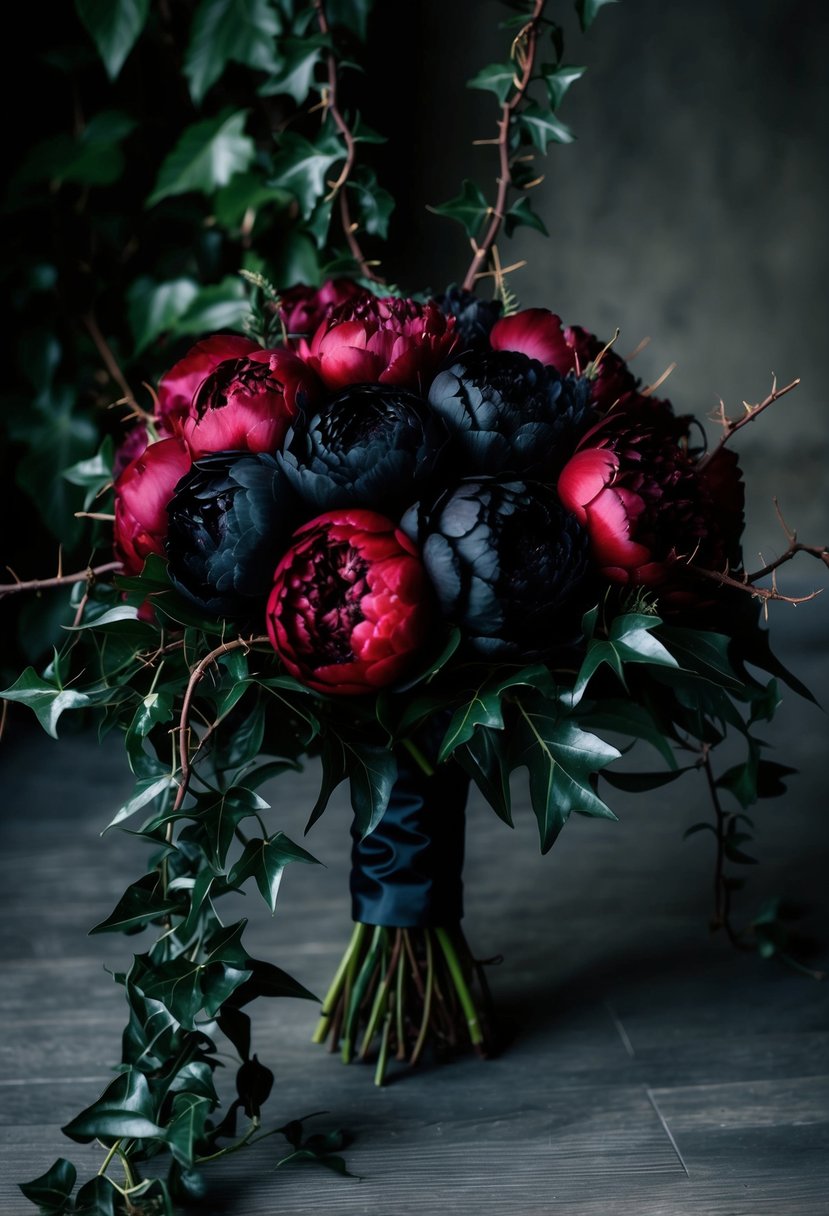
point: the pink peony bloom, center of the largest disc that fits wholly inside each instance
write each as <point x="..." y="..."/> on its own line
<point x="142" y="494"/>
<point x="178" y="386"/>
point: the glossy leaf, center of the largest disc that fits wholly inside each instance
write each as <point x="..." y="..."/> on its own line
<point x="225" y="30"/>
<point x="97" y="1197"/>
<point x="640" y="782"/>
<point x="218" y="306"/>
<point x="125" y="1108"/>
<point x="540" y="127"/>
<point x="51" y="1190"/>
<point x="115" y="26"/>
<point x="497" y="78"/>
<point x="482" y="709"/>
<point x="186" y="1128"/>
<point x="630" y="640"/>
<point x="271" y="981"/>
<point x="703" y="652"/>
<point x="154" y="308"/>
<point x="374" y="204"/>
<point x="483" y="757"/>
<point x="521" y="215"/>
<point x="588" y="10"/>
<point x="142" y="902"/>
<point x="562" y="761"/>
<point x="265" y="861"/>
<point x="48" y="701"/>
<point x="470" y="208"/>
<point x="372" y="771"/>
<point x="147" y="789"/>
<point x="217" y="820"/>
<point x="334" y="772"/>
<point x="304" y="167"/>
<point x="558" y="78"/>
<point x="206" y="157"/>
<point x="626" y="717"/>
<point x="297" y="59"/>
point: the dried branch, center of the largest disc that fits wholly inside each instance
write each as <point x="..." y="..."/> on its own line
<point x="523" y="49"/>
<point x="331" y="104"/>
<point x="108" y="358"/>
<point x="60" y="580"/>
<point x="732" y="425"/>
<point x="196" y="677"/>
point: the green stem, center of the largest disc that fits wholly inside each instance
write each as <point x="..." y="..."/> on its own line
<point x="383" y="1057"/>
<point x="418" y="757"/>
<point x="461" y="988"/>
<point x="427" y="1003"/>
<point x="400" y="991"/>
<point x="337" y="983"/>
<point x="378" y="1008"/>
<point x="108" y="1158"/>
<point x="360" y="984"/>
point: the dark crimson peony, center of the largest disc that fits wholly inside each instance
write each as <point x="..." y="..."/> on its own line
<point x="474" y="318"/>
<point x="351" y="604"/>
<point x="373" y="445"/>
<point x="507" y="564"/>
<point x="178" y="386"/>
<point x="131" y="446"/>
<point x="510" y="413"/>
<point x="305" y="308"/>
<point x="230" y="520"/>
<point x="142" y="494"/>
<point x="386" y="341"/>
<point x="651" y="508"/>
<point x="247" y="404"/>
<point x="538" y="333"/>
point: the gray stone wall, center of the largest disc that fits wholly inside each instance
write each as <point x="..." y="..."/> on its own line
<point x="692" y="209"/>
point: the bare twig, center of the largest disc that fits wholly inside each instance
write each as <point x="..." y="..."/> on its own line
<point x="196" y="676"/>
<point x="331" y="104"/>
<point x="107" y="357"/>
<point x="60" y="580"/>
<point x="523" y="49"/>
<point x="732" y="425"/>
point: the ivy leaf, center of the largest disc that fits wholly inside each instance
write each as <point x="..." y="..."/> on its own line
<point x="51" y="1190"/>
<point x="638" y="783"/>
<point x="142" y="902"/>
<point x="469" y="208"/>
<point x="333" y="774"/>
<point x="147" y="789"/>
<point x="265" y="860"/>
<point x="115" y="26"/>
<point x="630" y="641"/>
<point x="482" y="756"/>
<point x="206" y="157"/>
<point x="153" y="308"/>
<point x="482" y="709"/>
<point x="294" y="74"/>
<point x="48" y="701"/>
<point x="303" y="167"/>
<point x="268" y="980"/>
<point x="242" y="30"/>
<point x="94" y="473"/>
<point x="94" y="158"/>
<point x="541" y="128"/>
<point x="186" y="1128"/>
<point x="217" y="820"/>
<point x="558" y="78"/>
<point x="705" y="653"/>
<point x="125" y="1108"/>
<point x="630" y="719"/>
<point x="374" y="203"/>
<point x="244" y="193"/>
<point x="497" y="78"/>
<point x="562" y="761"/>
<point x="588" y="10"/>
<point x="521" y="215"/>
<point x="218" y="306"/>
<point x="97" y="1198"/>
<point x="372" y="771"/>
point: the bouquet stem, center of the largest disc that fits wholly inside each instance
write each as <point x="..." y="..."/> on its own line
<point x="398" y="991"/>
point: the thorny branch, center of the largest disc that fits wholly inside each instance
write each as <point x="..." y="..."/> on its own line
<point x="523" y="50"/>
<point x="331" y="102"/>
<point x="732" y="425"/>
<point x="59" y="580"/>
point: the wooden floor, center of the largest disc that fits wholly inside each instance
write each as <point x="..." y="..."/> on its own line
<point x="648" y="1069"/>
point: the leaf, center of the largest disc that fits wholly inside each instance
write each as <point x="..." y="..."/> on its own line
<point x="353" y="14"/>
<point x="482" y="756"/>
<point x="48" y="701"/>
<point x="469" y="208"/>
<point x="217" y="818"/>
<point x="147" y="789"/>
<point x="206" y="157"/>
<point x="303" y="167"/>
<point x="142" y="902"/>
<point x="265" y="860"/>
<point x="154" y="308"/>
<point x="125" y="1108"/>
<point x="627" y="718"/>
<point x="558" y="78"/>
<point x="630" y="641"/>
<point x="374" y="204"/>
<point x="247" y="193"/>
<point x="331" y="1161"/>
<point x="241" y="30"/>
<point x="703" y="652"/>
<point x="186" y="1128"/>
<point x="483" y="709"/>
<point x="334" y="772"/>
<point x="640" y="782"/>
<point x="218" y="306"/>
<point x="540" y="127"/>
<point x="115" y="26"/>
<point x="561" y="760"/>
<point x="93" y="473"/>
<point x="271" y="981"/>
<point x="372" y="771"/>
<point x="497" y="78"/>
<point x="588" y="10"/>
<point x="52" y="1189"/>
<point x="521" y="215"/>
<point x="93" y="158"/>
<point x="97" y="1198"/>
<point x="293" y="73"/>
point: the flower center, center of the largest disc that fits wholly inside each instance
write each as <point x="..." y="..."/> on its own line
<point x="339" y="586"/>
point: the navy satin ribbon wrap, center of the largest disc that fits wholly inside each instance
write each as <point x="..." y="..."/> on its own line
<point x="407" y="873"/>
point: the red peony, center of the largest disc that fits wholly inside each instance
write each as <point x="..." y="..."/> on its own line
<point x="131" y="446"/>
<point x="537" y="332"/>
<point x="385" y="341"/>
<point x="142" y="494"/>
<point x="178" y="386"/>
<point x="247" y="404"/>
<point x="351" y="603"/>
<point x="305" y="308"/>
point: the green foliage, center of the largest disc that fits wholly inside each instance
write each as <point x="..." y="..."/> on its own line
<point x="114" y="26"/>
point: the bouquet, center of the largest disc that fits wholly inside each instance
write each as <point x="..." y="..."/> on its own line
<point x="425" y="538"/>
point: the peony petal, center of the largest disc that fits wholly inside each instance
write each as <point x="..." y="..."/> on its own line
<point x="584" y="477"/>
<point x="535" y="332"/>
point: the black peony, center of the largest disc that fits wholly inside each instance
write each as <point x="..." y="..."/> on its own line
<point x="373" y="446"/>
<point x="230" y="520"/>
<point x="507" y="562"/>
<point x="474" y="318"/>
<point x="511" y="414"/>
